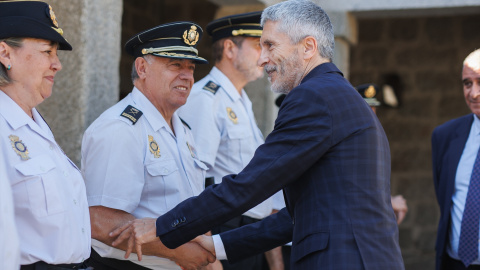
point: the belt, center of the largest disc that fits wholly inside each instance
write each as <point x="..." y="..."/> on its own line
<point x="45" y="266"/>
<point x="100" y="262"/>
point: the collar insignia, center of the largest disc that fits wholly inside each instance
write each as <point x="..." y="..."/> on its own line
<point x="154" y="149"/>
<point x="19" y="147"/>
<point x="191" y="36"/>
<point x="211" y="87"/>
<point x="132" y="114"/>
<point x="232" y="115"/>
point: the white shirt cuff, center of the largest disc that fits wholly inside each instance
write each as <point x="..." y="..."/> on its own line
<point x="219" y="248"/>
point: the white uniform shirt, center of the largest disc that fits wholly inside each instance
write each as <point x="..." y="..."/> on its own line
<point x="124" y="170"/>
<point x="51" y="211"/>
<point x="224" y="128"/>
<point x="9" y="245"/>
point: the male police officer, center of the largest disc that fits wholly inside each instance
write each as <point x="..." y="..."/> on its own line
<point x="220" y="113"/>
<point x="139" y="157"/>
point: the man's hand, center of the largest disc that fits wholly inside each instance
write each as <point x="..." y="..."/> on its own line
<point x="206" y="242"/>
<point x="191" y="255"/>
<point x="399" y="205"/>
<point x="138" y="232"/>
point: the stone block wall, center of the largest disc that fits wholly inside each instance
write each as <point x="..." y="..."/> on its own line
<point x="426" y="54"/>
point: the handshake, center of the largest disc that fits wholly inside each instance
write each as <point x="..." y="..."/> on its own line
<point x="195" y="254"/>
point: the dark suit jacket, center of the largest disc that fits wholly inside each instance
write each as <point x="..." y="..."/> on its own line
<point x="330" y="154"/>
<point x="448" y="142"/>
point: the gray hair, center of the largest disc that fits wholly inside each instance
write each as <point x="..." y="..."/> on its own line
<point x="14" y="42"/>
<point x="301" y="18"/>
<point x="134" y="74"/>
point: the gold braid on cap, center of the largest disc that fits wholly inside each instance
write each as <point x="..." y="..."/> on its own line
<point x="59" y="30"/>
<point x="246" y="32"/>
<point x="169" y="49"/>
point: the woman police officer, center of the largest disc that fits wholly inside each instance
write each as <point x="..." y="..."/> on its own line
<point x="49" y="199"/>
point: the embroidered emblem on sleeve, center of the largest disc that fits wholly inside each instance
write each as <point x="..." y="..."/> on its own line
<point x="154" y="149"/>
<point x="19" y="147"/>
<point x="132" y="114"/>
<point x="232" y="115"/>
<point x="211" y="87"/>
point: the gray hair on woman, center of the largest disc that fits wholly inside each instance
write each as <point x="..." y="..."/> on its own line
<point x="14" y="43"/>
<point x="301" y="18"/>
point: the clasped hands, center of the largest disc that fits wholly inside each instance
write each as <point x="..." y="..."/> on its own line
<point x="192" y="255"/>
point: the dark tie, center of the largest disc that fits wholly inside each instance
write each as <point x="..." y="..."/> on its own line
<point x="468" y="245"/>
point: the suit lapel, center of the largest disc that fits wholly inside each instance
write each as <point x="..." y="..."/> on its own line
<point x="455" y="152"/>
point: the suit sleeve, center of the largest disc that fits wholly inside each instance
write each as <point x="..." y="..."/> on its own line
<point x="273" y="231"/>
<point x="301" y="136"/>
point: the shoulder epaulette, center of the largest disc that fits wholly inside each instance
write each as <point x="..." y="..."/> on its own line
<point x="185" y="123"/>
<point x="132" y="114"/>
<point x="211" y="87"/>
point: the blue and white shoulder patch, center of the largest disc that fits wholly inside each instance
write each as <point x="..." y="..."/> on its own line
<point x="211" y="87"/>
<point x="132" y="114"/>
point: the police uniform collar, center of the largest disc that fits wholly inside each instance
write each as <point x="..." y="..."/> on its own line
<point x="170" y="40"/>
<point x="226" y="84"/>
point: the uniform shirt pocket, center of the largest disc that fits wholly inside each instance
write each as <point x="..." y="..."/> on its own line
<point x="162" y="184"/>
<point x="41" y="181"/>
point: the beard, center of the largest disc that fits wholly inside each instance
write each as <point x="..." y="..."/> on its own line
<point x="289" y="72"/>
<point x="247" y="68"/>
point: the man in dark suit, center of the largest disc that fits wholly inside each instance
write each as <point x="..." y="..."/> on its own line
<point x="455" y="145"/>
<point x="327" y="151"/>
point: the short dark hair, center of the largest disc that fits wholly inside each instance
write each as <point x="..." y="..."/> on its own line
<point x="217" y="46"/>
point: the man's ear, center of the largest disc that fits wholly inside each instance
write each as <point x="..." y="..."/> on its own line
<point x="5" y="54"/>
<point x="309" y="47"/>
<point x="229" y="49"/>
<point x="141" y="65"/>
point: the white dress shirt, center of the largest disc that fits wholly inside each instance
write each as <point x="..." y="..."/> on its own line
<point x="51" y="211"/>
<point x="226" y="141"/>
<point x="124" y="170"/>
<point x="462" y="181"/>
<point x="9" y="244"/>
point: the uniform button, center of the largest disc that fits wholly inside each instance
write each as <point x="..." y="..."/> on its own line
<point x="184" y="219"/>
<point x="65" y="173"/>
<point x="75" y="201"/>
<point x="165" y="171"/>
<point x="42" y="168"/>
<point x="51" y="147"/>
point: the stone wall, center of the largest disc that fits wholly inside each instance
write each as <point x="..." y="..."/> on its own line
<point x="426" y="54"/>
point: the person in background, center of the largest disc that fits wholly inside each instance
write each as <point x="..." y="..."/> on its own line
<point x="328" y="152"/>
<point x="456" y="177"/>
<point x="222" y="120"/>
<point x="139" y="158"/>
<point x="368" y="92"/>
<point x="49" y="199"/>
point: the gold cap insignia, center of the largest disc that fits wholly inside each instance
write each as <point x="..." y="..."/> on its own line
<point x="191" y="36"/>
<point x="193" y="152"/>
<point x="370" y="92"/>
<point x="232" y="115"/>
<point x="52" y="16"/>
<point x="154" y="149"/>
<point x="19" y="147"/>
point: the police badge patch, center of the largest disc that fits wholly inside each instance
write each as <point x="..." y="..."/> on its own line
<point x="154" y="149"/>
<point x="19" y="147"/>
<point x="232" y="115"/>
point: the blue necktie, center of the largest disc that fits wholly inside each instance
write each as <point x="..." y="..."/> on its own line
<point x="468" y="245"/>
